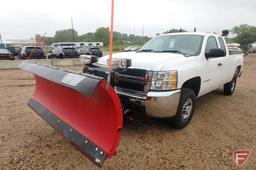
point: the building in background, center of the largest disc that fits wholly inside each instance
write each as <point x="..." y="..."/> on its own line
<point x="21" y="42"/>
<point x="78" y="44"/>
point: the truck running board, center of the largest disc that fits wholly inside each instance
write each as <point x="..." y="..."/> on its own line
<point x="79" y="107"/>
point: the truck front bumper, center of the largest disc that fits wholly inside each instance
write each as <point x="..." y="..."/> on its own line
<point x="162" y="104"/>
<point x="157" y="104"/>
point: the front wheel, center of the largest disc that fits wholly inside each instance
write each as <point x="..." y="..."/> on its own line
<point x="185" y="109"/>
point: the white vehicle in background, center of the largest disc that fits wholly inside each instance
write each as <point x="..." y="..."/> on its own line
<point x="131" y="48"/>
<point x="253" y="47"/>
<point x="234" y="48"/>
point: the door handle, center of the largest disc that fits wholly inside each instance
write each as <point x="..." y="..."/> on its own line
<point x="220" y="64"/>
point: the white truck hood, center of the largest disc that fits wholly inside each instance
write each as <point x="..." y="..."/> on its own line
<point x="147" y="60"/>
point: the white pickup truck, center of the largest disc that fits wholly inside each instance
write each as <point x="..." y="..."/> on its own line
<point x="169" y="72"/>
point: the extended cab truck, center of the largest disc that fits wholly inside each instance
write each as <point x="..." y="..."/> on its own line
<point x="169" y="72"/>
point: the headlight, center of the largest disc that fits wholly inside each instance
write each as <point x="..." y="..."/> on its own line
<point x="88" y="59"/>
<point x="164" y="80"/>
<point x="120" y="63"/>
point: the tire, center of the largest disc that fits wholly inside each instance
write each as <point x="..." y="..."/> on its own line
<point x="61" y="56"/>
<point x="230" y="87"/>
<point x="185" y="109"/>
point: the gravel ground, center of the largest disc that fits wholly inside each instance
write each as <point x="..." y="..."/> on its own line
<point x="220" y="125"/>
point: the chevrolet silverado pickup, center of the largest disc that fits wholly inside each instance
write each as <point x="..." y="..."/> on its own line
<point x="169" y="72"/>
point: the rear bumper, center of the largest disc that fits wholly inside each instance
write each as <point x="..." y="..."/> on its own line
<point x="6" y="57"/>
<point x="33" y="57"/>
<point x="157" y="104"/>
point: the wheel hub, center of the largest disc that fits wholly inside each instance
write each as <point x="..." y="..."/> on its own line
<point x="187" y="109"/>
<point x="233" y="86"/>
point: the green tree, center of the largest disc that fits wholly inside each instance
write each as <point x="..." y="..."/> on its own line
<point x="49" y="40"/>
<point x="174" y="30"/>
<point x="102" y="35"/>
<point x="244" y="28"/>
<point x="246" y="34"/>
<point x="87" y="37"/>
<point x="66" y="35"/>
<point x="118" y="38"/>
<point x="38" y="37"/>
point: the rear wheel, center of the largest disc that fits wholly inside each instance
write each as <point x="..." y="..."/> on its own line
<point x="185" y="109"/>
<point x="230" y="87"/>
<point x="61" y="56"/>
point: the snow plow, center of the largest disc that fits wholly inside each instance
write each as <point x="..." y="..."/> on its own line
<point x="80" y="107"/>
<point x="84" y="108"/>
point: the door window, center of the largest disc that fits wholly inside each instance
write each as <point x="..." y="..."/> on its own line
<point x="211" y="44"/>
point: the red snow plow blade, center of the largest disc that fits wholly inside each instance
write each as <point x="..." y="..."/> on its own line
<point x="80" y="108"/>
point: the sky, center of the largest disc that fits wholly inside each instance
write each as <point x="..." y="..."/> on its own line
<point x="21" y="19"/>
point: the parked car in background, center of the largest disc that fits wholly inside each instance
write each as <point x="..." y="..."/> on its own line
<point x="32" y="52"/>
<point x="235" y="50"/>
<point x="253" y="48"/>
<point x="6" y="55"/>
<point x="84" y="51"/>
<point x="90" y="50"/>
<point x="95" y="50"/>
<point x="63" y="52"/>
<point x="131" y="48"/>
<point x="2" y="46"/>
<point x="14" y="50"/>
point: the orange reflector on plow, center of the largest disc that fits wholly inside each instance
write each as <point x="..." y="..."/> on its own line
<point x="80" y="108"/>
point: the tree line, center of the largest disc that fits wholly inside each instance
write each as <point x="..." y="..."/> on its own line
<point x="100" y="35"/>
<point x="244" y="35"/>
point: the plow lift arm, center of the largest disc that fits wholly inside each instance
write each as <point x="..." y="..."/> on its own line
<point x="80" y="107"/>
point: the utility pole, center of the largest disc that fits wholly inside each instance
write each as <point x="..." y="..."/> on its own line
<point x="1" y="39"/>
<point x="72" y="25"/>
<point x="143" y="30"/>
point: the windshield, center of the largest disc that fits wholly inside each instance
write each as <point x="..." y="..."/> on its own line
<point x="4" y="51"/>
<point x="188" y="45"/>
<point x="32" y="48"/>
<point x="71" y="50"/>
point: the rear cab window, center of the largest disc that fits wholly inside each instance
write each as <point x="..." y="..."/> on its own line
<point x="35" y="49"/>
<point x="222" y="44"/>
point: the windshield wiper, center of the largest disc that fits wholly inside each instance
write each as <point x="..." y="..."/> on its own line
<point x="146" y="50"/>
<point x="174" y="51"/>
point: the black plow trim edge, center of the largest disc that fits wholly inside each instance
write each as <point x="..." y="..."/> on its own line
<point x="93" y="152"/>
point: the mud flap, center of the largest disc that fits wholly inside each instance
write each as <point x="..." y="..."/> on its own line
<point x="80" y="108"/>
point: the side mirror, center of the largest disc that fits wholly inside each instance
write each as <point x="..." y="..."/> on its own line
<point x="214" y="53"/>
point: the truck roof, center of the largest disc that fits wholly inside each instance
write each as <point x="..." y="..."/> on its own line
<point x="190" y="33"/>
